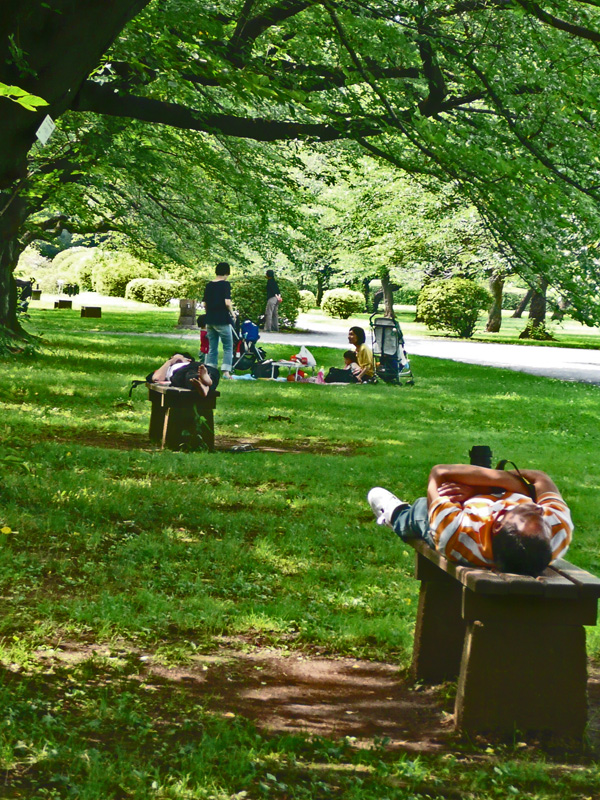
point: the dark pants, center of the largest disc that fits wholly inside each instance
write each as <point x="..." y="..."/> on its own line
<point x="412" y="522"/>
<point x="337" y="375"/>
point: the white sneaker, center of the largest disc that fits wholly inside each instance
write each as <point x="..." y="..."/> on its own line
<point x="383" y="505"/>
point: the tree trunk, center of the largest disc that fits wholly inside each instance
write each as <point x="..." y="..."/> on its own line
<point x="537" y="310"/>
<point x="559" y="311"/>
<point x="62" y="43"/>
<point x="322" y="283"/>
<point x="366" y="284"/>
<point x="495" y="314"/>
<point x="388" y="295"/>
<point x="523" y="305"/>
<point x="15" y="213"/>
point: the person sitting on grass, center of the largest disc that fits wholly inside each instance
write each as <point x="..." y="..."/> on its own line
<point x="349" y="373"/>
<point x="183" y="372"/>
<point x="364" y="354"/>
<point x="482" y="517"/>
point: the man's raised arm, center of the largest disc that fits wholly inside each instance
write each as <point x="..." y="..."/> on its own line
<point x="481" y="478"/>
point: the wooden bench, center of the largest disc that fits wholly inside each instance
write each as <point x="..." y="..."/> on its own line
<point x="182" y="418"/>
<point x="516" y="644"/>
<point x="63" y="304"/>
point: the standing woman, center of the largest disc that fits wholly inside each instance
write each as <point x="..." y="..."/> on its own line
<point x="217" y="302"/>
<point x="364" y="354"/>
<point x="273" y="300"/>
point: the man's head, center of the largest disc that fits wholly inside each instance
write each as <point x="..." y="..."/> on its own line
<point x="521" y="540"/>
<point x="269" y="273"/>
<point x="222" y="268"/>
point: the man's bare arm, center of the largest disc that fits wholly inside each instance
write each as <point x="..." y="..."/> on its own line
<point x="483" y="478"/>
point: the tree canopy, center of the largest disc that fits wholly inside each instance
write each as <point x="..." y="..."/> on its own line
<point x="496" y="97"/>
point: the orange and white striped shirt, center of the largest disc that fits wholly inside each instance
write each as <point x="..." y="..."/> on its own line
<point x="463" y="533"/>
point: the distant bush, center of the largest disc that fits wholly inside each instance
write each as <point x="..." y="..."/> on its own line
<point x="511" y="300"/>
<point x="452" y="305"/>
<point x="191" y="284"/>
<point x="342" y="303"/>
<point x="114" y="271"/>
<point x="77" y="264"/>
<point x="160" y="292"/>
<point x="157" y="292"/>
<point x="249" y="297"/>
<point x="136" y="289"/>
<point x="406" y="297"/>
<point x="307" y="300"/>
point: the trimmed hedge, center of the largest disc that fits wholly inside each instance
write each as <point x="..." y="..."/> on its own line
<point x="115" y="270"/>
<point x="148" y="290"/>
<point x="342" y="303"/>
<point x="307" y="300"/>
<point x="249" y="297"/>
<point x="511" y="300"/>
<point x="406" y="297"/>
<point x="160" y="292"/>
<point x="136" y="289"/>
<point x="453" y="305"/>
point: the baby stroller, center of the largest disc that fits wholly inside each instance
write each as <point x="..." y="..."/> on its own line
<point x="388" y="349"/>
<point x="246" y="353"/>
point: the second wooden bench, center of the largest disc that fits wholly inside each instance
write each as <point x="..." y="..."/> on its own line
<point x="181" y="418"/>
<point x="516" y="644"/>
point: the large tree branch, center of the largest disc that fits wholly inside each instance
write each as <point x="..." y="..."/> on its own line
<point x="313" y="78"/>
<point x="548" y="19"/>
<point x="431" y="69"/>
<point x="527" y="143"/>
<point x="249" y="29"/>
<point x="104" y="100"/>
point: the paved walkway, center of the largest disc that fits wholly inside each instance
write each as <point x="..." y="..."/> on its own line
<point x="564" y="363"/>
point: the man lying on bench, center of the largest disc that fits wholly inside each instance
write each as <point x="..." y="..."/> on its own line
<point x="484" y="517"/>
<point x="183" y="372"/>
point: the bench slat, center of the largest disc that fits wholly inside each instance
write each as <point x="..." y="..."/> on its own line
<point x="589" y="585"/>
<point x="560" y="580"/>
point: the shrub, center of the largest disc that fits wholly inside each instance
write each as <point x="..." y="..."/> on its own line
<point x="249" y="297"/>
<point x="114" y="271"/>
<point x="307" y="300"/>
<point x="136" y="289"/>
<point x="452" y="305"/>
<point x="537" y="332"/>
<point x="342" y="303"/>
<point x="511" y="300"/>
<point x="406" y="297"/>
<point x="159" y="292"/>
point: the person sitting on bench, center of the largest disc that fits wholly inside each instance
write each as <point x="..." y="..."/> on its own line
<point x="483" y="517"/>
<point x="183" y="372"/>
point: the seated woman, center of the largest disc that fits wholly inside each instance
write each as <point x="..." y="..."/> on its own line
<point x="182" y="371"/>
<point x="364" y="354"/>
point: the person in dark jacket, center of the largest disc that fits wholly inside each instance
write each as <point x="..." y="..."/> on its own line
<point x="273" y="300"/>
<point x="217" y="303"/>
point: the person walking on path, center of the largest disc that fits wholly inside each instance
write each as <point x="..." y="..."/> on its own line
<point x="273" y="300"/>
<point x="217" y="303"/>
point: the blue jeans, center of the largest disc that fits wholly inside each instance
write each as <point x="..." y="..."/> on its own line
<point x="214" y="333"/>
<point x="412" y="522"/>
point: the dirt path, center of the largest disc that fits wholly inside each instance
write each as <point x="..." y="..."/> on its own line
<point x="282" y="693"/>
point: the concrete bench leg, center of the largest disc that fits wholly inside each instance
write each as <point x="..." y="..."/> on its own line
<point x="440" y="629"/>
<point x="523" y="677"/>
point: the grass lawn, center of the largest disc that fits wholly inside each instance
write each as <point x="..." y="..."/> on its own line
<point x="109" y="541"/>
<point x="123" y="316"/>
